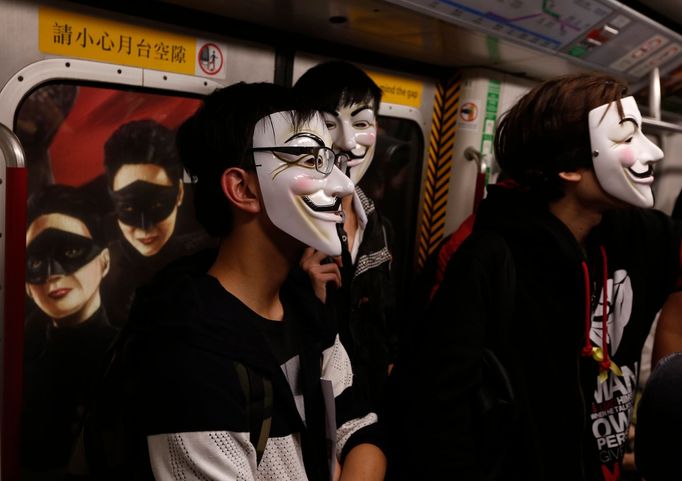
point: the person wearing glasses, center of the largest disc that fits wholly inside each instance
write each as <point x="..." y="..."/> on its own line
<point x="361" y="279"/>
<point x="235" y="372"/>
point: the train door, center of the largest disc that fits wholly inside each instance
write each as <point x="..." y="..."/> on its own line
<point x="97" y="204"/>
<point x="103" y="214"/>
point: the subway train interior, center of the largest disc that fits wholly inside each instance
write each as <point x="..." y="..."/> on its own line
<point x="73" y="72"/>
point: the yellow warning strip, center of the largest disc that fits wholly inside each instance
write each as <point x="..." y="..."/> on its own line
<point x="437" y="181"/>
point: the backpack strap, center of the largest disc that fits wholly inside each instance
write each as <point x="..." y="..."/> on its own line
<point x="258" y="393"/>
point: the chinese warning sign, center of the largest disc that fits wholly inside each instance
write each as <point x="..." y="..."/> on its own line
<point x="210" y="58"/>
<point x="72" y="34"/>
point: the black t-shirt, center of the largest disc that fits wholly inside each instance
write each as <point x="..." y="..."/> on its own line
<point x="284" y="337"/>
<point x="281" y="336"/>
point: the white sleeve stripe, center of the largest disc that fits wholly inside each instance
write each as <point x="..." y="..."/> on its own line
<point x="336" y="367"/>
<point x="202" y="456"/>
<point x="224" y="456"/>
<point x="347" y="429"/>
<point x="179" y="453"/>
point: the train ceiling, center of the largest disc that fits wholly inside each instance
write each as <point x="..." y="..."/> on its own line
<point x="670" y="13"/>
<point x="426" y="36"/>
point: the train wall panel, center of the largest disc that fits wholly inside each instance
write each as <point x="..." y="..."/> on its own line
<point x="481" y="91"/>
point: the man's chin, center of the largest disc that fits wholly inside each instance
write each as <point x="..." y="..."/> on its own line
<point x="356" y="162"/>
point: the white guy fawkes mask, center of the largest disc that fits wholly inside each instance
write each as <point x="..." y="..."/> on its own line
<point x="300" y="199"/>
<point x="354" y="131"/>
<point x="621" y="154"/>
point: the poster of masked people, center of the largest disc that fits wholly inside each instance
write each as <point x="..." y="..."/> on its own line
<point x="107" y="208"/>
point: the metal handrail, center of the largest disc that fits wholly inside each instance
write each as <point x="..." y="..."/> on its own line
<point x="655" y="94"/>
<point x="660" y="125"/>
<point x="11" y="147"/>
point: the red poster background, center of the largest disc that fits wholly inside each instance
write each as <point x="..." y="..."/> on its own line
<point x="77" y="150"/>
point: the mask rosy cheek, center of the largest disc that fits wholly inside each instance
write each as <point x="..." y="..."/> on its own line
<point x="366" y="138"/>
<point x="627" y="157"/>
<point x="305" y="185"/>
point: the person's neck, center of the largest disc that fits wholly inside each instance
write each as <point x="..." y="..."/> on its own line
<point x="252" y="267"/>
<point x="579" y="219"/>
<point x="350" y="219"/>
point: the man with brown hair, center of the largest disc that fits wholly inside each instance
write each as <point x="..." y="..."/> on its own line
<point x="526" y="364"/>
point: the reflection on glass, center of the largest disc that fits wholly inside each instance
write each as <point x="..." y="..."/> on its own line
<point x="393" y="181"/>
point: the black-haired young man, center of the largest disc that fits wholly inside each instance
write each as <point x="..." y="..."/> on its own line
<point x="235" y="373"/>
<point x="364" y="301"/>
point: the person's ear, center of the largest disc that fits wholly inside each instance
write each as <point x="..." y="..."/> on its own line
<point x="181" y="193"/>
<point x="571" y="176"/>
<point x="105" y="261"/>
<point x="241" y="189"/>
<point x="28" y="291"/>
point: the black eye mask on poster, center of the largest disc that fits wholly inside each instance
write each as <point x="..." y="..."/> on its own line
<point x="55" y="252"/>
<point x="143" y="204"/>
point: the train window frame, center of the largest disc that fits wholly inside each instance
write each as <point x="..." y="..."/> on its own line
<point x="38" y="73"/>
<point x="414" y="115"/>
<point x="12" y="96"/>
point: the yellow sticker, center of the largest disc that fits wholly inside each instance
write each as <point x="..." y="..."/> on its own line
<point x="72" y="34"/>
<point x="399" y="90"/>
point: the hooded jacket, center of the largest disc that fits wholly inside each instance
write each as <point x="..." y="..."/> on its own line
<point x="571" y="411"/>
<point x="364" y="305"/>
<point x="184" y="407"/>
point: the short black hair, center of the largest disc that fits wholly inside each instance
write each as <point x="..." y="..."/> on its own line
<point x="142" y="142"/>
<point x="67" y="200"/>
<point x="219" y="135"/>
<point x="334" y="83"/>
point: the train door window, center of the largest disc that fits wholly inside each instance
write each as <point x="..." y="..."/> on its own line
<point x="393" y="182"/>
<point x="107" y="207"/>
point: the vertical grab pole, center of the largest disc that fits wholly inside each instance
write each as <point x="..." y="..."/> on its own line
<point x="13" y="230"/>
<point x="472" y="154"/>
<point x="13" y="338"/>
<point x="655" y="94"/>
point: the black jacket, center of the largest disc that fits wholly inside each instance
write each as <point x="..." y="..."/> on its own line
<point x="365" y="305"/>
<point x="568" y="425"/>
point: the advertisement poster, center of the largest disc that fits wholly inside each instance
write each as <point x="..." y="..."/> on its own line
<point x="107" y="208"/>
